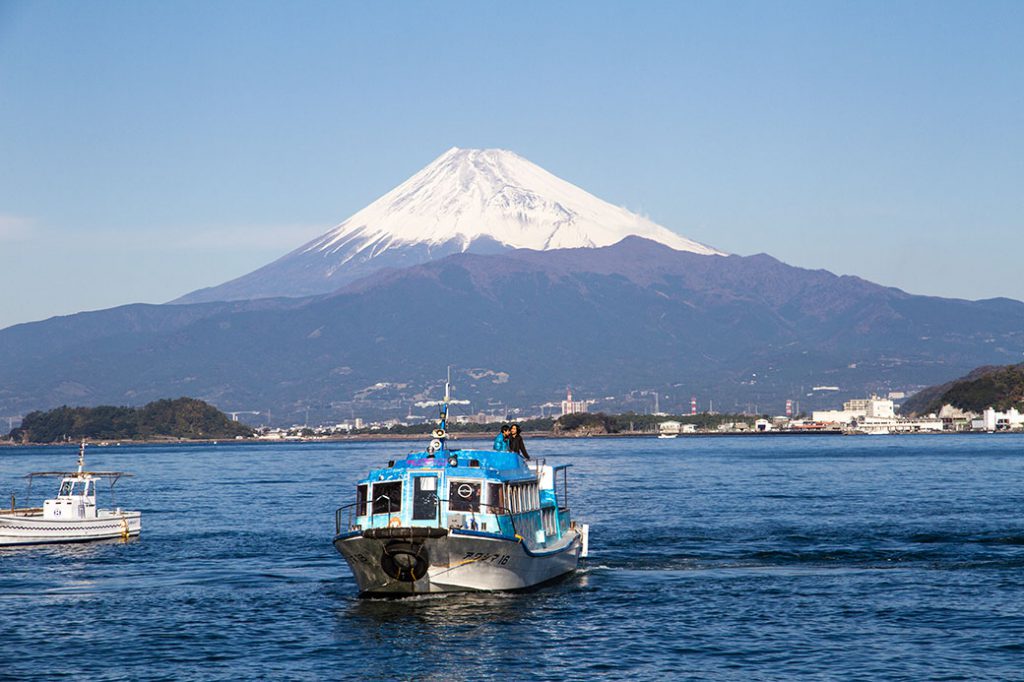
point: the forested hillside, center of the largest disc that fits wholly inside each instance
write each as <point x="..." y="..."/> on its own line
<point x="181" y="418"/>
<point x="998" y="387"/>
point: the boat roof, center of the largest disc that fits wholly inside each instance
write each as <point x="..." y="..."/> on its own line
<point x="507" y="466"/>
<point x="80" y="474"/>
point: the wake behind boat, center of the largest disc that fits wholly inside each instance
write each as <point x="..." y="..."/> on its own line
<point x="72" y="516"/>
<point x="450" y="520"/>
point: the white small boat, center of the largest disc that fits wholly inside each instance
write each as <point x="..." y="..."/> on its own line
<point x="667" y="435"/>
<point x="72" y="516"/>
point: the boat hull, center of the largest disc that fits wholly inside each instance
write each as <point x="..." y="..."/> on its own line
<point x="458" y="561"/>
<point x="33" y="529"/>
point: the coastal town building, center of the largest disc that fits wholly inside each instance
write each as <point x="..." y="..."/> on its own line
<point x="991" y="420"/>
<point x="674" y="428"/>
<point x="876" y="415"/>
<point x="897" y="425"/>
<point x="857" y="409"/>
<point x="478" y="418"/>
<point x="570" y="406"/>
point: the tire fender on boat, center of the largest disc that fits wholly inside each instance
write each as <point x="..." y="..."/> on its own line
<point x="404" y="561"/>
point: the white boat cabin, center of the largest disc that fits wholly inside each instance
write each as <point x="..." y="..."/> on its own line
<point x="76" y="500"/>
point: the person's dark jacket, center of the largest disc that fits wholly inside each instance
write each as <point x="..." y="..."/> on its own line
<point x="515" y="444"/>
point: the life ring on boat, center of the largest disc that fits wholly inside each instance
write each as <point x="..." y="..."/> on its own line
<point x="395" y="522"/>
<point x="438" y="433"/>
<point x="404" y="561"/>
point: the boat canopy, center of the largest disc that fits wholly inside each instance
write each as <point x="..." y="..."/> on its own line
<point x="81" y="473"/>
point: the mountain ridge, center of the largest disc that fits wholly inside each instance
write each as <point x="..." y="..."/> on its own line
<point x="519" y="327"/>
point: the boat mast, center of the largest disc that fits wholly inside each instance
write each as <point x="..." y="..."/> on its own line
<point x="440" y="434"/>
<point x="447" y="398"/>
<point x="81" y="457"/>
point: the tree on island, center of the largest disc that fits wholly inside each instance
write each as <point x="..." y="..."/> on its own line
<point x="181" y="418"/>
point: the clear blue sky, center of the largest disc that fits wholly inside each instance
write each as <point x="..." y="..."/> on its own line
<point x="148" y="149"/>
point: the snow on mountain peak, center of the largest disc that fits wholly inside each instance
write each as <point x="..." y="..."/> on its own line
<point x="481" y="200"/>
<point x="468" y="194"/>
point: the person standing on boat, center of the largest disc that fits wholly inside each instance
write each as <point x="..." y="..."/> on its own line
<point x="515" y="441"/>
<point x="501" y="440"/>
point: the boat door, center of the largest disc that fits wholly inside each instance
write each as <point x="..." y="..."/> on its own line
<point x="424" y="497"/>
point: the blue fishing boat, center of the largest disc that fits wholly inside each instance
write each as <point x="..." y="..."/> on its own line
<point x="452" y="520"/>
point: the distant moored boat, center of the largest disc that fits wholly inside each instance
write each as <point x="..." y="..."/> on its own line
<point x="72" y="515"/>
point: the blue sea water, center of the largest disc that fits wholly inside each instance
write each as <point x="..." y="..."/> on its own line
<point x="738" y="558"/>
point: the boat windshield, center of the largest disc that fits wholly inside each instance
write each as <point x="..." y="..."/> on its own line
<point x="74" y="488"/>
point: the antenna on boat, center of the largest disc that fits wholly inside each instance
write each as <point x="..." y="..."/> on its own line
<point x="447" y="399"/>
<point x="440" y="434"/>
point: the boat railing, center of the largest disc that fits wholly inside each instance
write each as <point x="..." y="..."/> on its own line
<point x="353" y="512"/>
<point x="340" y="512"/>
<point x="23" y="511"/>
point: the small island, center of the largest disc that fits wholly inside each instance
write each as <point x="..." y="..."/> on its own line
<point x="183" y="418"/>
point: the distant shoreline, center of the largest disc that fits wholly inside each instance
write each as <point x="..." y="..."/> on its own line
<point x="467" y="436"/>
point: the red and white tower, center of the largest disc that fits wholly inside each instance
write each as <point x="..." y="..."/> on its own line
<point x="693" y="405"/>
<point x="789" y="408"/>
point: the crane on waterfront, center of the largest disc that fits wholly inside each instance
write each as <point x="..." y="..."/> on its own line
<point x="234" y="415"/>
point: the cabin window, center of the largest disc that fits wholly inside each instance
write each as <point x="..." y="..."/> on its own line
<point x="387" y="497"/>
<point x="65" y="488"/>
<point x="495" y="499"/>
<point x="464" y="496"/>
<point x="424" y="497"/>
<point x="361" y="491"/>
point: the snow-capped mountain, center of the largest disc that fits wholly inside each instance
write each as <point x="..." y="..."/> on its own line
<point x="479" y="200"/>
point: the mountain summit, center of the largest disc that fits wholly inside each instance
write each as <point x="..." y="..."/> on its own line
<point x="477" y="200"/>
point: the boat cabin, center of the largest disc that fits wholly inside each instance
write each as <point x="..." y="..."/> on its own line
<point x="76" y="499"/>
<point x="478" y="491"/>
